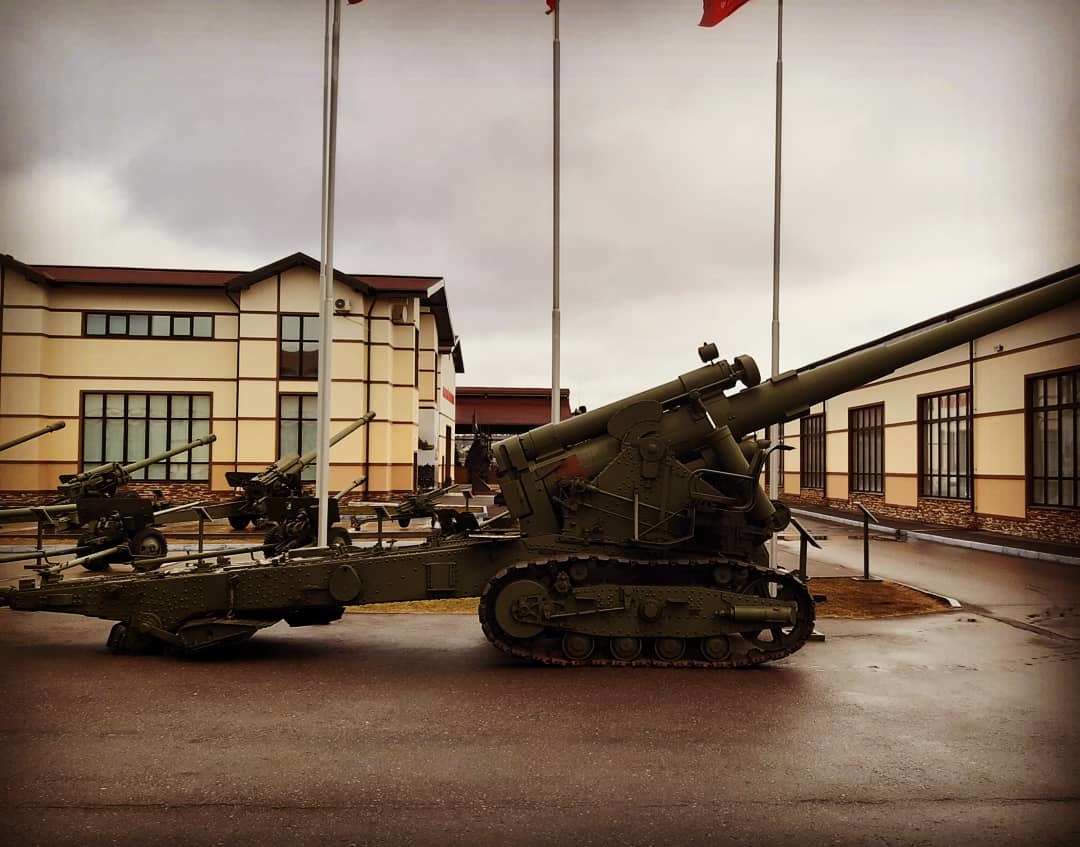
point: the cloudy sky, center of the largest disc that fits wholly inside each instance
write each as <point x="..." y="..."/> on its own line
<point x="930" y="159"/>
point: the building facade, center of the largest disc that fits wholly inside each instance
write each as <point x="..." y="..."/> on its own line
<point x="138" y="360"/>
<point x="983" y="436"/>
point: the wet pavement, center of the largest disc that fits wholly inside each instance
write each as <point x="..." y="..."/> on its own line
<point x="1023" y="592"/>
<point x="943" y="729"/>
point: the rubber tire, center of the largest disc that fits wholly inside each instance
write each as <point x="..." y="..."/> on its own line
<point x="239" y="521"/>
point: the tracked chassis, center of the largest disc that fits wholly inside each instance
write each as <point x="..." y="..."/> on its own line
<point x="558" y="609"/>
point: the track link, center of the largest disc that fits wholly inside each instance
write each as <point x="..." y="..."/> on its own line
<point x="545" y="649"/>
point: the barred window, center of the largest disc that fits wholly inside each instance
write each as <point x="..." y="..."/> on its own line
<point x="812" y="451"/>
<point x="128" y="427"/>
<point x="298" y="427"/>
<point x="145" y="325"/>
<point x="866" y="439"/>
<point x="1053" y="409"/>
<point x="299" y="347"/>
<point x="945" y="445"/>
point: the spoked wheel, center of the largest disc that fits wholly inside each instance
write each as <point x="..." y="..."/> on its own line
<point x="147" y="543"/>
<point x="782" y="636"/>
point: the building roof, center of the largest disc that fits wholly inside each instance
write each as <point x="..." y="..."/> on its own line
<point x="500" y="408"/>
<point x="952" y="314"/>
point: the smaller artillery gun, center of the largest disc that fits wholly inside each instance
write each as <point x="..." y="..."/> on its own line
<point x="37" y="433"/>
<point x="113" y="528"/>
<point x="275" y="502"/>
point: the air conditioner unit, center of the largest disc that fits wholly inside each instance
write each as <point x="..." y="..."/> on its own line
<point x="399" y="312"/>
<point x="342" y="306"/>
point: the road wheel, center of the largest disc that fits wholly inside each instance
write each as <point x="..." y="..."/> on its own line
<point x="147" y="543"/>
<point x="338" y="536"/>
<point x="239" y="521"/>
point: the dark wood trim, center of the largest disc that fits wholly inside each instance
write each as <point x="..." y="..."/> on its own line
<point x="920" y="460"/>
<point x="228" y="380"/>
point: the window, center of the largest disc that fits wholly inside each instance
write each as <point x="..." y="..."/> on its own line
<point x="945" y="445"/>
<point x="299" y="346"/>
<point x="1053" y="408"/>
<point x="128" y="427"/>
<point x="298" y="427"/>
<point x="141" y="325"/>
<point x="866" y="440"/>
<point x="812" y="451"/>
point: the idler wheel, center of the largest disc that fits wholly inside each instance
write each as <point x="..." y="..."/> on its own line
<point x="669" y="649"/>
<point x="716" y="648"/>
<point x="577" y="645"/>
<point x="519" y="608"/>
<point x="625" y="648"/>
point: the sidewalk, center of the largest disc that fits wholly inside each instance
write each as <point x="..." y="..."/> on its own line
<point x="991" y="542"/>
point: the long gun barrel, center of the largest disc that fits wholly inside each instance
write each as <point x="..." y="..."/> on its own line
<point x="294" y="464"/>
<point x="53" y="427"/>
<point x="693" y="413"/>
<point x="112" y="474"/>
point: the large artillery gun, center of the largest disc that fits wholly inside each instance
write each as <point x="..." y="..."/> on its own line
<point x="642" y="542"/>
<point x="112" y="527"/>
<point x="37" y="433"/>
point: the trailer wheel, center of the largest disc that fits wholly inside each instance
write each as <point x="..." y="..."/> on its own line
<point x="338" y="536"/>
<point x="96" y="565"/>
<point x="147" y="543"/>
<point x="239" y="521"/>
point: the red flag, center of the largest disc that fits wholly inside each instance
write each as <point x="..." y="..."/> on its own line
<point x="354" y="2"/>
<point x="716" y="10"/>
<point x="551" y="6"/>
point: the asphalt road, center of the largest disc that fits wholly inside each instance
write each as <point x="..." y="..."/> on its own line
<point x="945" y="729"/>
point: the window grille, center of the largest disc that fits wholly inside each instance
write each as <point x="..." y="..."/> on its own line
<point x="866" y="440"/>
<point x="945" y="465"/>
<point x="125" y="428"/>
<point x="1053" y="409"/>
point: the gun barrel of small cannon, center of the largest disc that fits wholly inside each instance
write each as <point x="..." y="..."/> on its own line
<point x="789" y="396"/>
<point x="310" y="456"/>
<point x="356" y="483"/>
<point x="19" y="514"/>
<point x="161" y="457"/>
<point x="37" y="433"/>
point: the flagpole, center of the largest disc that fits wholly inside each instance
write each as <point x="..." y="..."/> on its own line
<point x="326" y="268"/>
<point x="555" y="317"/>
<point x="776" y="434"/>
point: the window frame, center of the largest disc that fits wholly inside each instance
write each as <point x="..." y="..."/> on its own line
<point x="875" y="475"/>
<point x="807" y="476"/>
<point x="308" y="474"/>
<point x="149" y="336"/>
<point x="925" y="477"/>
<point x="182" y="460"/>
<point x="1030" y="410"/>
<point x="300" y="375"/>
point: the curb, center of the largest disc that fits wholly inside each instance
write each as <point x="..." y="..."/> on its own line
<point x="1020" y="552"/>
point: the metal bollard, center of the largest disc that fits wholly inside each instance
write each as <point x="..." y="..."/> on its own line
<point x="804" y="538"/>
<point x="867" y="517"/>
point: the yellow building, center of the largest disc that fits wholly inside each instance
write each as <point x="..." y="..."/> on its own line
<point x="982" y="436"/>
<point x="136" y="360"/>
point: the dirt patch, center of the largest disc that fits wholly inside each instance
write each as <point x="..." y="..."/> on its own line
<point x="846" y="598"/>
<point x="850" y="598"/>
<point x="452" y="606"/>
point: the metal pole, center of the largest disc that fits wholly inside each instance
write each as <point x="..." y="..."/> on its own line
<point x="866" y="545"/>
<point x="555" y="318"/>
<point x="776" y="432"/>
<point x="326" y="270"/>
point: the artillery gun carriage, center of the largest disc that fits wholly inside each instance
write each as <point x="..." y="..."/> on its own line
<point x="113" y="527"/>
<point x="642" y="530"/>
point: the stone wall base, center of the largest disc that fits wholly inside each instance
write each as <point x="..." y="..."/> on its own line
<point x="1057" y="526"/>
